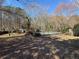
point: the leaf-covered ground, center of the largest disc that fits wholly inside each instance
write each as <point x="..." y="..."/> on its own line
<point x="10" y="35"/>
<point x="30" y="47"/>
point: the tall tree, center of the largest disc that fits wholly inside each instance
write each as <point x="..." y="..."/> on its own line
<point x="15" y="17"/>
<point x="1" y="2"/>
<point x="65" y="10"/>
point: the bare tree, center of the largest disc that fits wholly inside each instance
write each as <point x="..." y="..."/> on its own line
<point x="12" y="18"/>
<point x="76" y="2"/>
<point x="1" y="2"/>
<point x="65" y="11"/>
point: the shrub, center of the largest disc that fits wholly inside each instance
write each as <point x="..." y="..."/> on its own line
<point x="76" y="30"/>
<point x="64" y="29"/>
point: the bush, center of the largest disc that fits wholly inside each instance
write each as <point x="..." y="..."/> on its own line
<point x="76" y="30"/>
<point x="64" y="29"/>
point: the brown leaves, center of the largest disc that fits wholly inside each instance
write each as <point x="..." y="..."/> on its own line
<point x="69" y="7"/>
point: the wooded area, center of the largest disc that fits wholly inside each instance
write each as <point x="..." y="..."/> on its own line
<point x="31" y="31"/>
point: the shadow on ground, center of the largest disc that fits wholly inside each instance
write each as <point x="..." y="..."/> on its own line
<point x="29" y="47"/>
